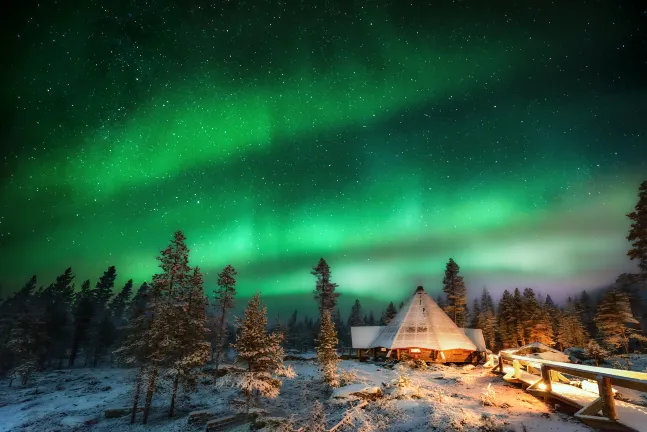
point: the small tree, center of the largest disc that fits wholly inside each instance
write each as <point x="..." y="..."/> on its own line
<point x="317" y="419"/>
<point x="82" y="311"/>
<point x="327" y="350"/>
<point x="596" y="352"/>
<point x="638" y="232"/>
<point x="224" y="295"/>
<point x="614" y="318"/>
<point x="260" y="353"/>
<point x="454" y="288"/>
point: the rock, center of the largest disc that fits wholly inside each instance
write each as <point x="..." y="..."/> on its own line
<point x="119" y="412"/>
<point x="203" y="416"/>
<point x="227" y="421"/>
<point x="106" y="388"/>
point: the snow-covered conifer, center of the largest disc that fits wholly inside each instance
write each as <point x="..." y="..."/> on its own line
<point x="355" y="319"/>
<point x="638" y="232"/>
<point x="316" y="419"/>
<point x="260" y="353"/>
<point x="390" y="313"/>
<point x="454" y="288"/>
<point x="614" y="319"/>
<point x="224" y="296"/>
<point x="327" y="350"/>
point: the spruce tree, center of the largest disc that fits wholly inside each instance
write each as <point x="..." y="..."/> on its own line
<point x="614" y="320"/>
<point x="22" y="341"/>
<point x="638" y="232"/>
<point x="371" y="319"/>
<point x="390" y="313"/>
<point x="518" y="318"/>
<point x="83" y="311"/>
<point x="293" y="332"/>
<point x="163" y="334"/>
<point x="316" y="419"/>
<point x="340" y="327"/>
<point x="224" y="296"/>
<point x="476" y="319"/>
<point x="327" y="350"/>
<point x="454" y="288"/>
<point x="102" y="329"/>
<point x="135" y="347"/>
<point x="571" y="332"/>
<point x="191" y="331"/>
<point x="260" y="353"/>
<point x="324" y="292"/>
<point x="487" y="321"/>
<point x="56" y="299"/>
<point x="355" y="319"/>
<point x="507" y="316"/>
<point x="119" y="304"/>
<point x="400" y="306"/>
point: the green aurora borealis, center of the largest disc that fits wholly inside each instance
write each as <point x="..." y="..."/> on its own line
<point x="381" y="136"/>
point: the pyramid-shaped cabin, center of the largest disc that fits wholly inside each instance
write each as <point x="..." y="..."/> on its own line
<point x="420" y="330"/>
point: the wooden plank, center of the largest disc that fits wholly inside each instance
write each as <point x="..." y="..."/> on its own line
<point x="591" y="409"/>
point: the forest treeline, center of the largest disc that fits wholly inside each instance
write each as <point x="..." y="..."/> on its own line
<point x="169" y="327"/>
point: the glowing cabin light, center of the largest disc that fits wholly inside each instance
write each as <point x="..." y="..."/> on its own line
<point x="541" y="386"/>
<point x="414" y="350"/>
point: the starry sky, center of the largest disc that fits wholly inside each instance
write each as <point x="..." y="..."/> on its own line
<point x="385" y="136"/>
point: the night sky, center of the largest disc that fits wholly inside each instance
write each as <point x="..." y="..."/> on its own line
<point x="384" y="136"/>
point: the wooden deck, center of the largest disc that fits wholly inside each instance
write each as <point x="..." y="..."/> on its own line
<point x="544" y="378"/>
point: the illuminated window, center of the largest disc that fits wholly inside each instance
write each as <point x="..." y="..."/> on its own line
<point x="382" y="349"/>
<point x="414" y="350"/>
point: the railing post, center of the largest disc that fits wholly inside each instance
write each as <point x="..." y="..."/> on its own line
<point x="500" y="362"/>
<point x="517" y="368"/>
<point x="606" y="393"/>
<point x="545" y="378"/>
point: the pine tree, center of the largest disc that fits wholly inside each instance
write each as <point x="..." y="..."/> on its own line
<point x="518" y="318"/>
<point x="56" y="299"/>
<point x="571" y="331"/>
<point x="476" y="321"/>
<point x="162" y="336"/>
<point x="102" y="330"/>
<point x="191" y="332"/>
<point x="487" y="321"/>
<point x="371" y="319"/>
<point x="587" y="313"/>
<point x="327" y="350"/>
<point x="355" y="319"/>
<point x="390" y="313"/>
<point x="324" y="292"/>
<point x="507" y="317"/>
<point x="614" y="318"/>
<point x="542" y="328"/>
<point x="638" y="232"/>
<point x="293" y="331"/>
<point x="224" y="295"/>
<point x="316" y="419"/>
<point x="118" y="304"/>
<point x="454" y="288"/>
<point x="340" y="327"/>
<point x="82" y="310"/>
<point x="261" y="354"/>
<point x="135" y="347"/>
<point x="22" y="342"/>
<point x="401" y="306"/>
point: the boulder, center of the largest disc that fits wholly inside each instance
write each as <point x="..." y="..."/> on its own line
<point x="224" y="422"/>
<point x="201" y="417"/>
<point x="119" y="412"/>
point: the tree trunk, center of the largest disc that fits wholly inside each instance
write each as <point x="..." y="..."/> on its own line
<point x="149" y="393"/>
<point x="175" y="383"/>
<point x="219" y="343"/>
<point x="138" y="388"/>
<point x="73" y="353"/>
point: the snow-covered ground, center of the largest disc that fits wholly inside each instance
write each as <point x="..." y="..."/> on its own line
<point x="439" y="398"/>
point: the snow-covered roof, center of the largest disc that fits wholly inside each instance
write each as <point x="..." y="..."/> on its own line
<point x="362" y="337"/>
<point x="421" y="323"/>
<point x="476" y="336"/>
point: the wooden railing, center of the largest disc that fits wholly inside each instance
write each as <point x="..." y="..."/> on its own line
<point x="552" y="371"/>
